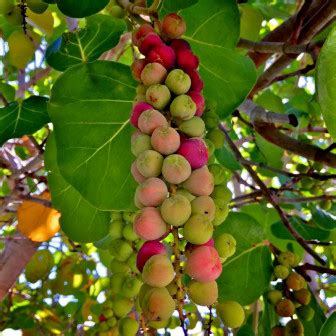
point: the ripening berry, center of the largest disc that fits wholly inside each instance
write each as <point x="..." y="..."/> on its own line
<point x="164" y="55"/>
<point x="178" y="82"/>
<point x="136" y="67"/>
<point x="185" y="193"/>
<point x="177" y="44"/>
<point x="149" y="225"/>
<point x="196" y="81"/>
<point x="203" y="293"/>
<point x="150" y="41"/>
<point x="278" y="331"/>
<point x="165" y="140"/>
<point x="157" y="304"/>
<point x="158" y="271"/>
<point x="152" y="192"/>
<point x="218" y="172"/>
<point x="137" y="202"/>
<point x="176" y="210"/>
<point x="305" y="313"/>
<point x="173" y="26"/>
<point x="195" y="151"/>
<point x="176" y="169"/>
<point x="302" y="296"/>
<point x="204" y="264"/>
<point x="198" y="229"/>
<point x="204" y="205"/>
<point x="274" y="296"/>
<point x="158" y="95"/>
<point x="149" y="120"/>
<point x="193" y="127"/>
<point x="183" y="107"/>
<point x="287" y="258"/>
<point x="199" y="101"/>
<point x="142" y="31"/>
<point x="138" y="177"/>
<point x="225" y="245"/>
<point x="149" y="163"/>
<point x="153" y="73"/>
<point x="285" y="308"/>
<point x="193" y="185"/>
<point x="186" y="60"/>
<point x="294" y="328"/>
<point x="138" y="108"/>
<point x="139" y="143"/>
<point x="147" y="250"/>
<point x="281" y="271"/>
<point x="231" y="313"/>
<point x="295" y="281"/>
<point x="222" y="210"/>
<point x="128" y="326"/>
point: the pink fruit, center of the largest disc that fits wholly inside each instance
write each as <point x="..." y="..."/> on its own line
<point x="139" y="34"/>
<point x="165" y="140"/>
<point x="149" y="120"/>
<point x="147" y="250"/>
<point x="138" y="108"/>
<point x="186" y="60"/>
<point x="204" y="264"/>
<point x="196" y="81"/>
<point x="193" y="185"/>
<point x="199" y="101"/>
<point x="136" y="174"/>
<point x="153" y="73"/>
<point x="178" y="44"/>
<point x="136" y="67"/>
<point x="195" y="151"/>
<point x="149" y="225"/>
<point x="175" y="169"/>
<point x="150" y="41"/>
<point x="173" y="26"/>
<point x="152" y="192"/>
<point x="164" y="55"/>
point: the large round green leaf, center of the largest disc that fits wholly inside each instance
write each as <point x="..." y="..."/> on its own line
<point x="326" y="82"/>
<point x="81" y="8"/>
<point x="90" y="106"/>
<point x="247" y="273"/>
<point x="329" y="327"/>
<point x="80" y="221"/>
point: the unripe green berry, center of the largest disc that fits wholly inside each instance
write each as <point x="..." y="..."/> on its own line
<point x="287" y="258"/>
<point x="281" y="271"/>
<point x="305" y="313"/>
<point x="140" y="143"/>
<point x="149" y="163"/>
<point x="225" y="245"/>
<point x="274" y="296"/>
<point x="193" y="127"/>
<point x="217" y="137"/>
<point x="178" y="82"/>
<point x="183" y="107"/>
<point x="222" y="194"/>
<point x="197" y="230"/>
<point x="219" y="173"/>
<point x="158" y="96"/>
<point x="231" y="313"/>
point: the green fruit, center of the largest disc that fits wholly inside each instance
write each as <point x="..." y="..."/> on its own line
<point x="140" y="143"/>
<point x="274" y="296"/>
<point x="294" y="328"/>
<point x="131" y="287"/>
<point x="117" y="266"/>
<point x="225" y="245"/>
<point x="285" y="308"/>
<point x="176" y="210"/>
<point x="186" y="194"/>
<point x="176" y="169"/>
<point x="217" y="137"/>
<point x="326" y="205"/>
<point x="211" y="147"/>
<point x="231" y="313"/>
<point x="211" y="120"/>
<point x="203" y="293"/>
<point x="219" y="173"/>
<point x="115" y="215"/>
<point x="149" y="163"/>
<point x="158" y="324"/>
<point x="183" y="107"/>
<point x="178" y="82"/>
<point x="14" y="17"/>
<point x="287" y="258"/>
<point x="116" y="229"/>
<point x="128" y="326"/>
<point x="131" y="263"/>
<point x="21" y="49"/>
<point x="204" y="205"/>
<point x="222" y="210"/>
<point x="222" y="193"/>
<point x="6" y="6"/>
<point x="197" y="230"/>
<point x="281" y="271"/>
<point x="305" y="313"/>
<point x="117" y="12"/>
<point x="37" y="6"/>
<point x="128" y="216"/>
<point x="158" y="96"/>
<point x="121" y="250"/>
<point x="39" y="265"/>
<point x="193" y="127"/>
<point x="121" y="305"/>
<point x="302" y="296"/>
<point x="128" y="232"/>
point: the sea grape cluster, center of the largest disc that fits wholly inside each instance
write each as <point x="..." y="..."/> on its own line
<point x="178" y="192"/>
<point x="290" y="296"/>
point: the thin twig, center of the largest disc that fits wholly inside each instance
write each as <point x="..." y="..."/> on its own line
<point x="316" y="268"/>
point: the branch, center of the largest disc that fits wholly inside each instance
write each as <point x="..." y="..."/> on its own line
<point x="319" y="269"/>
<point x="13" y="260"/>
<point x="138" y="10"/>
<point x="268" y="195"/>
<point x="306" y="199"/>
<point x="299" y="72"/>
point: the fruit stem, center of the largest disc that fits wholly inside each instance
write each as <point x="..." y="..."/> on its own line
<point x="178" y="278"/>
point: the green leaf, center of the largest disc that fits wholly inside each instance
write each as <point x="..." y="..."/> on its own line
<point x="7" y="91"/>
<point x="270" y="101"/>
<point x="18" y="119"/>
<point x="250" y="22"/>
<point x="329" y="327"/>
<point x="80" y="221"/>
<point x="102" y="32"/>
<point x="247" y="273"/>
<point x="79" y="9"/>
<point x="326" y="82"/>
<point x="170" y="6"/>
<point x="268" y="319"/>
<point x="323" y="219"/>
<point x="90" y="107"/>
<point x="227" y="159"/>
<point x="213" y="32"/>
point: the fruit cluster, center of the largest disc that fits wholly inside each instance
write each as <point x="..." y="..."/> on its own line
<point x="178" y="192"/>
<point x="290" y="296"/>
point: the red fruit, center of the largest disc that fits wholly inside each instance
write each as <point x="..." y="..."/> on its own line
<point x="137" y="67"/>
<point x="186" y="60"/>
<point x="147" y="250"/>
<point x="204" y="264"/>
<point x="192" y="247"/>
<point x="149" y="42"/>
<point x="195" y="151"/>
<point x="178" y="44"/>
<point x="196" y="81"/>
<point x="173" y="26"/>
<point x="143" y="30"/>
<point x="199" y="101"/>
<point x="164" y="55"/>
<point x="138" y="108"/>
<point x="102" y="318"/>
